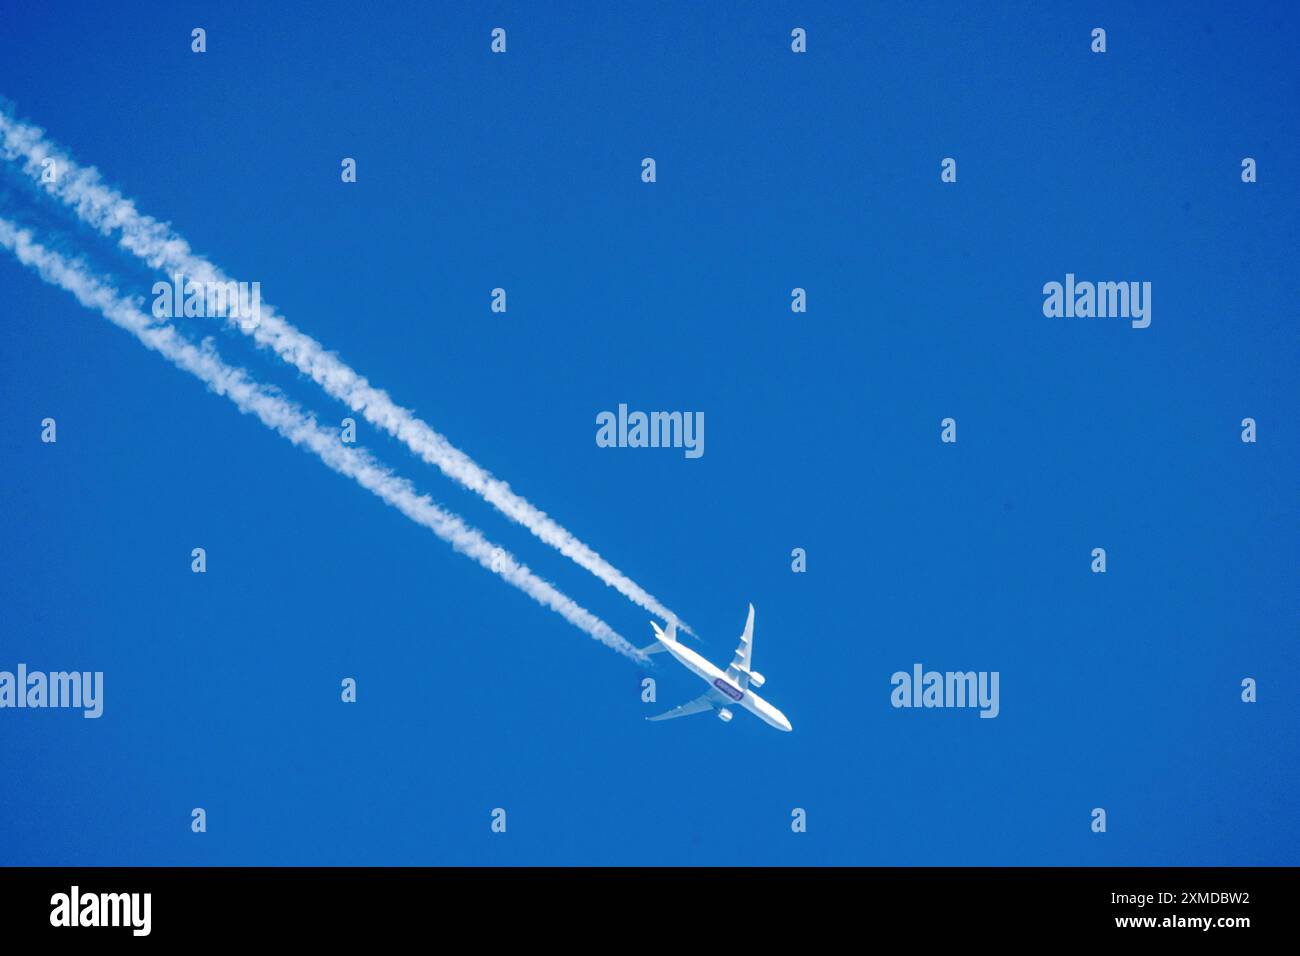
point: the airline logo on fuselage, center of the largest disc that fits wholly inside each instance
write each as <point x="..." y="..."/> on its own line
<point x="727" y="689"/>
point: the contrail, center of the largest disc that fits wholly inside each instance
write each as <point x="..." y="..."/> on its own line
<point x="285" y="417"/>
<point x="108" y="211"/>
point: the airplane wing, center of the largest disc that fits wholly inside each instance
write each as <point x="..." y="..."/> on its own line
<point x="698" y="705"/>
<point x="738" y="672"/>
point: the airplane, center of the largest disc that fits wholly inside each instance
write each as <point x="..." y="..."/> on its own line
<point x="726" y="688"/>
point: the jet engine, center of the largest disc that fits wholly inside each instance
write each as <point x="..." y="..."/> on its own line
<point x="724" y="715"/>
<point x="756" y="679"/>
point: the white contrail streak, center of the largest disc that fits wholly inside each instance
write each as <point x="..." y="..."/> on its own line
<point x="289" y="420"/>
<point x="108" y="211"/>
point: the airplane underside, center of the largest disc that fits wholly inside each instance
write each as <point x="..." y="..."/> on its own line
<point x="726" y="690"/>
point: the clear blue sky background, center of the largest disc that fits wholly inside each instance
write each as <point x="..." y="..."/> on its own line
<point x="775" y="170"/>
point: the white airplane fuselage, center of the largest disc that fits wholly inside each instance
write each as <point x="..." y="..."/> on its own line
<point x="717" y="679"/>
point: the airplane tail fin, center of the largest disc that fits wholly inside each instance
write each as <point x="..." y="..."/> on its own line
<point x="660" y="635"/>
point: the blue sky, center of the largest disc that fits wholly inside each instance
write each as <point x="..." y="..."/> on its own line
<point x="774" y="171"/>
